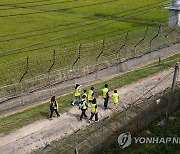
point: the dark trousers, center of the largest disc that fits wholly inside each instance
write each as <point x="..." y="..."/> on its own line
<point x="83" y="114"/>
<point x="55" y="111"/>
<point x="92" y="115"/>
<point x="105" y="102"/>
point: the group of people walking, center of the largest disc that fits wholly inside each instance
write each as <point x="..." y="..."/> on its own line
<point x="86" y="100"/>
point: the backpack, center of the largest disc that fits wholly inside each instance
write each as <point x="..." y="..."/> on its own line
<point x="86" y="104"/>
<point x="51" y="106"/>
<point x="81" y="106"/>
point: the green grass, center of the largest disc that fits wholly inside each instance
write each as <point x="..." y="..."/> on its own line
<point x="82" y="22"/>
<point x="18" y="120"/>
<point x="173" y="131"/>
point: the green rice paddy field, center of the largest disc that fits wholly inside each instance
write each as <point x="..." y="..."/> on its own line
<point x="36" y="28"/>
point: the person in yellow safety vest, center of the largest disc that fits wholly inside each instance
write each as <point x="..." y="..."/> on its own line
<point x="115" y="99"/>
<point x="77" y="94"/>
<point x="84" y="94"/>
<point x="91" y="94"/>
<point x="53" y="107"/>
<point x="94" y="110"/>
<point x="84" y="107"/>
<point x="105" y="94"/>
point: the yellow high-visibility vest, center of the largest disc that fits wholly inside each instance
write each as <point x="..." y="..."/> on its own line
<point x="115" y="98"/>
<point x="84" y="105"/>
<point x="105" y="91"/>
<point x="93" y="109"/>
<point x="84" y="95"/>
<point x="84" y="99"/>
<point x="90" y="95"/>
<point x="56" y="105"/>
<point x="77" y="93"/>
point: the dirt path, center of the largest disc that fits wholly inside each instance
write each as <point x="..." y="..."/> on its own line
<point x="34" y="135"/>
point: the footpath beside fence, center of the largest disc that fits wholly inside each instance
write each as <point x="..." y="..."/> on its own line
<point x="66" y="134"/>
<point x="133" y="118"/>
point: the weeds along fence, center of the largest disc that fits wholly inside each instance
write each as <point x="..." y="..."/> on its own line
<point x="136" y="116"/>
<point x="92" y="62"/>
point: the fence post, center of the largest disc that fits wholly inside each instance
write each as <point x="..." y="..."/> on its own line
<point x="22" y="77"/>
<point x="117" y="53"/>
<point x="102" y="124"/>
<point x="174" y="29"/>
<point x="79" y="56"/>
<point x="170" y="100"/>
<point x="26" y="70"/>
<point x="126" y="119"/>
<point x="76" y="73"/>
<point x="147" y="111"/>
<point x="161" y="34"/>
<point x="150" y="43"/>
<point x="43" y="144"/>
<point x="75" y="142"/>
<point x="54" y="60"/>
<point x="161" y="102"/>
<point x="135" y="46"/>
<point x="97" y="58"/>
<point x="103" y="133"/>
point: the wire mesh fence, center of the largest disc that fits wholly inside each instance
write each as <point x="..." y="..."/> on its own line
<point x="90" y="59"/>
<point x="136" y="110"/>
<point x="137" y="115"/>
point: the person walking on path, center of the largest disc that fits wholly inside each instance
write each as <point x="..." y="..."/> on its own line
<point x="84" y="107"/>
<point x="94" y="110"/>
<point x="115" y="99"/>
<point x="77" y="94"/>
<point x="85" y="94"/>
<point x="53" y="107"/>
<point x="84" y="97"/>
<point x="90" y="94"/>
<point x="105" y="94"/>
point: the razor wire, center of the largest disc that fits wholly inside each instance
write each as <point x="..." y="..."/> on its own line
<point x="158" y="83"/>
<point x="61" y="74"/>
<point x="72" y="85"/>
